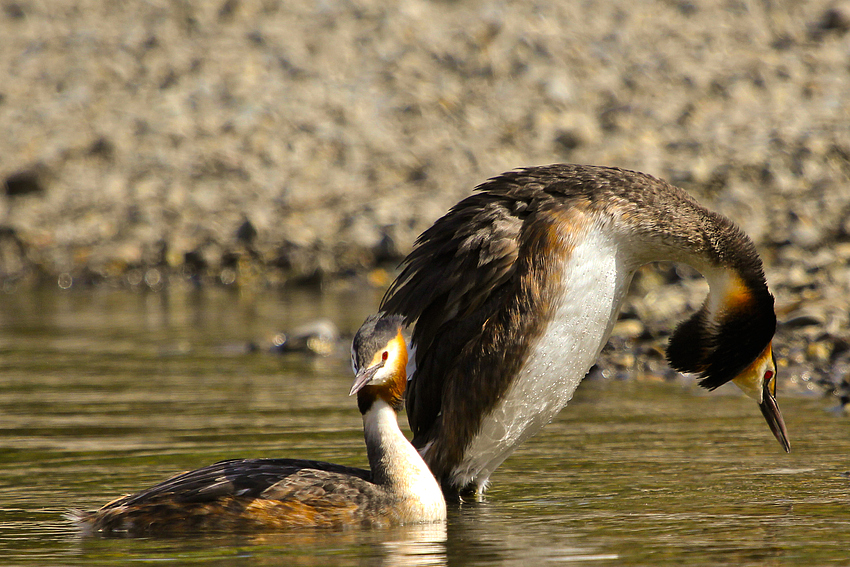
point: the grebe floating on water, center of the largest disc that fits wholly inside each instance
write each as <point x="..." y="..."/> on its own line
<point x="513" y="294"/>
<point x="250" y="494"/>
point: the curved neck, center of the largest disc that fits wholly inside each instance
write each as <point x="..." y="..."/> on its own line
<point x="733" y="327"/>
<point x="394" y="462"/>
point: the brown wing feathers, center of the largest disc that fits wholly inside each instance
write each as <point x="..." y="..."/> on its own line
<point x="461" y="267"/>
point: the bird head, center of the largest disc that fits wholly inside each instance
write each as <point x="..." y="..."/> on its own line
<point x="730" y="339"/>
<point x="379" y="361"/>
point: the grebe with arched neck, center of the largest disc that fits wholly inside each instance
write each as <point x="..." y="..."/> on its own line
<point x="514" y="292"/>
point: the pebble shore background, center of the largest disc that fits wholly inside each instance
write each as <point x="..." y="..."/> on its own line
<point x="302" y="140"/>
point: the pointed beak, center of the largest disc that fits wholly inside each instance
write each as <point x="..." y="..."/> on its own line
<point x="770" y="411"/>
<point x="365" y="376"/>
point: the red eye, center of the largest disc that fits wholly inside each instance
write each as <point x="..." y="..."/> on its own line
<point x="385" y="356"/>
<point x="768" y="375"/>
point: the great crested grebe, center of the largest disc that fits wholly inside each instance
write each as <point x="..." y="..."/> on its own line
<point x="513" y="294"/>
<point x="245" y="494"/>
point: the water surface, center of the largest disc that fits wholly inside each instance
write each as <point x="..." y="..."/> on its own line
<point x="104" y="392"/>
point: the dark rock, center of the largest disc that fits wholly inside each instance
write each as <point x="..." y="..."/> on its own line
<point x="566" y="141"/>
<point x="102" y="148"/>
<point x="14" y="11"/>
<point x="804" y="320"/>
<point x="246" y="233"/>
<point x="227" y="10"/>
<point x="24" y="182"/>
<point x="835" y="20"/>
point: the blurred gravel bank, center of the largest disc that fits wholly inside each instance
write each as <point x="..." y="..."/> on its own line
<point x="272" y="141"/>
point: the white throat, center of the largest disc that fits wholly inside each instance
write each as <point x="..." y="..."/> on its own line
<point x="396" y="465"/>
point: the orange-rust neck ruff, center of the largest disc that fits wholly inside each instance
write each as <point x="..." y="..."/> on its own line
<point x="273" y="494"/>
<point x="515" y="290"/>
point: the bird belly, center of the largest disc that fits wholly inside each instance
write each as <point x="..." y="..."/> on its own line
<point x="594" y="284"/>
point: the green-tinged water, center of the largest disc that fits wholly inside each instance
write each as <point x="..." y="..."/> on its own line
<point x="105" y="392"/>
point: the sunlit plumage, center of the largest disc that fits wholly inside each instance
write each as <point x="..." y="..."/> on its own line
<point x="252" y="494"/>
<point x="513" y="293"/>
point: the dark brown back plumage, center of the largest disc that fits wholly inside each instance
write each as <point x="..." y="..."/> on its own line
<point x="269" y="494"/>
<point x="478" y="288"/>
<point x="244" y="495"/>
